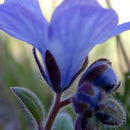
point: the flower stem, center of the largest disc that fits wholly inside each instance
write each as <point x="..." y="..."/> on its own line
<point x="65" y="102"/>
<point x="53" y="112"/>
<point x="55" y="109"/>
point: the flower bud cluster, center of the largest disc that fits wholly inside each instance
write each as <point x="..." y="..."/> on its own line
<point x="92" y="101"/>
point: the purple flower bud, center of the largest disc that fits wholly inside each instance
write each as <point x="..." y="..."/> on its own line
<point x="86" y="100"/>
<point x="101" y="74"/>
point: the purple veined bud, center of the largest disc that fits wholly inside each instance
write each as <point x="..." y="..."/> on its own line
<point x="87" y="99"/>
<point x="101" y="74"/>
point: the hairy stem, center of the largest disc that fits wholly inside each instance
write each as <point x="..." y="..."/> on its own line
<point x="55" y="109"/>
<point x="53" y="112"/>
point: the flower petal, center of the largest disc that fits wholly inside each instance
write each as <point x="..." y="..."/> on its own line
<point x="70" y="3"/>
<point x="119" y="29"/>
<point x="76" y="30"/>
<point x="23" y="20"/>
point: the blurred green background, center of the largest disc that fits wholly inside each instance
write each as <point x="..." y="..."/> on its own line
<point x="18" y="68"/>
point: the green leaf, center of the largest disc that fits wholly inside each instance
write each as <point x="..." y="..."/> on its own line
<point x="63" y="122"/>
<point x="31" y="103"/>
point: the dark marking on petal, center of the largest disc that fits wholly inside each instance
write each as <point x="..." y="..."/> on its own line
<point x="94" y="73"/>
<point x="53" y="71"/>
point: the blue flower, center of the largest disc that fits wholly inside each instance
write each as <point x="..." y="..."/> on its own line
<point x="75" y="28"/>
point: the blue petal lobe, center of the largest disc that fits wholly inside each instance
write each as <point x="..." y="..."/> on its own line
<point x="119" y="29"/>
<point x="69" y="3"/>
<point x="76" y="30"/>
<point x="23" y="20"/>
